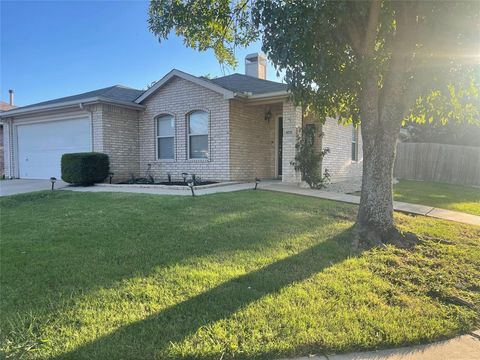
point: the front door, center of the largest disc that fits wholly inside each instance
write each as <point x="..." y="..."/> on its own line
<point x="279" y="146"/>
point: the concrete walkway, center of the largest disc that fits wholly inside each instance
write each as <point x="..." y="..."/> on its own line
<point x="21" y="186"/>
<point x="466" y="347"/>
<point x="397" y="205"/>
<point x="285" y="188"/>
<point x="157" y="190"/>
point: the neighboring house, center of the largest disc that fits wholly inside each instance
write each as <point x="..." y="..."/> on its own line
<point x="4" y="107"/>
<point x="235" y="127"/>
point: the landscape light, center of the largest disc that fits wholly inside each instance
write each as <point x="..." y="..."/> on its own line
<point x="52" y="180"/>
<point x="190" y="185"/>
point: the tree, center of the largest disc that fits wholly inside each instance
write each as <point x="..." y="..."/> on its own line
<point x="378" y="63"/>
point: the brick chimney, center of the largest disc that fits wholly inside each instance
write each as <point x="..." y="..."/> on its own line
<point x="256" y="65"/>
<point x="11" y="97"/>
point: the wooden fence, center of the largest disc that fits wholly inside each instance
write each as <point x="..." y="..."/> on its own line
<point x="438" y="162"/>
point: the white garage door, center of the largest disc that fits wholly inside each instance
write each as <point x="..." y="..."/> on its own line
<point x="41" y="146"/>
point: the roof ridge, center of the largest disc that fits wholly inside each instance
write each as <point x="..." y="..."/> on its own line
<point x="249" y="77"/>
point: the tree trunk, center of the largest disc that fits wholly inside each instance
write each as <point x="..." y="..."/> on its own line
<point x="376" y="202"/>
<point x="375" y="224"/>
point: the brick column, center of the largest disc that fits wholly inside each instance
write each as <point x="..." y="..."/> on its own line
<point x="292" y="125"/>
<point x="8" y="147"/>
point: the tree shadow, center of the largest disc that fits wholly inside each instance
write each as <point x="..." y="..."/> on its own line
<point x="65" y="260"/>
<point x="151" y="338"/>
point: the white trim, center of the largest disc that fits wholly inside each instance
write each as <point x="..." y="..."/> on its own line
<point x="72" y="103"/>
<point x="274" y="94"/>
<point x="277" y="120"/>
<point x="227" y="94"/>
<point x="48" y="118"/>
<point x="187" y="128"/>
<point x="354" y="144"/>
<point x="155" y="119"/>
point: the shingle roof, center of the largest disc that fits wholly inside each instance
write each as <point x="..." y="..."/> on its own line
<point x="237" y="83"/>
<point x="244" y="83"/>
<point x="116" y="92"/>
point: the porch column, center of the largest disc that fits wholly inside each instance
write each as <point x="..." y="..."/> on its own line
<point x="292" y="125"/>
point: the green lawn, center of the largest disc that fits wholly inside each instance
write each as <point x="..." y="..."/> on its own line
<point x="252" y="274"/>
<point x="445" y="196"/>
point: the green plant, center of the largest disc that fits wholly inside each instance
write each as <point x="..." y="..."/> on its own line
<point x="308" y="160"/>
<point x="85" y="168"/>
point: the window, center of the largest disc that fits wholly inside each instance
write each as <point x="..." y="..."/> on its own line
<point x="198" y="135"/>
<point x="355" y="144"/>
<point x="165" y="137"/>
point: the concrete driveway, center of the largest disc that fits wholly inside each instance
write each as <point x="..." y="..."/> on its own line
<point x="19" y="186"/>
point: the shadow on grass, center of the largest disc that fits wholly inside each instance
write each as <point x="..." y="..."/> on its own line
<point x="152" y="337"/>
<point x="58" y="246"/>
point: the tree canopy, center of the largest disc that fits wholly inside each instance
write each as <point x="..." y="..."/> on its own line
<point x="380" y="63"/>
<point x="428" y="49"/>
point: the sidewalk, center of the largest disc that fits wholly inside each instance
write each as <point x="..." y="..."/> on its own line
<point x="397" y="205"/>
<point x="466" y="347"/>
<point x="286" y="188"/>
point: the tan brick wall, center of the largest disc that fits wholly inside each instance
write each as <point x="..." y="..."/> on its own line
<point x="179" y="97"/>
<point x="338" y="138"/>
<point x="120" y="140"/>
<point x="252" y="141"/>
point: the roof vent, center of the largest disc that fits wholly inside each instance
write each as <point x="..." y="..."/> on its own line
<point x="10" y="92"/>
<point x="256" y="65"/>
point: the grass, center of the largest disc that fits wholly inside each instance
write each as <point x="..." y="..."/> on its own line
<point x="445" y="196"/>
<point x="252" y="274"/>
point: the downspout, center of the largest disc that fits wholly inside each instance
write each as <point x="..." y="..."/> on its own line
<point x="90" y="114"/>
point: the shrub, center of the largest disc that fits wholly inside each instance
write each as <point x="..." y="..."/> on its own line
<point x="85" y="168"/>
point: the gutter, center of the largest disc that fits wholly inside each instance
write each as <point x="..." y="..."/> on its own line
<point x="90" y="115"/>
<point x="73" y="103"/>
<point x="261" y="98"/>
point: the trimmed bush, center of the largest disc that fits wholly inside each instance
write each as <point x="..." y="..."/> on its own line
<point x="85" y="168"/>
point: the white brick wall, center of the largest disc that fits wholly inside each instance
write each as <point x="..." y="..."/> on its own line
<point x="338" y="138"/>
<point x="180" y="97"/>
<point x="292" y="125"/>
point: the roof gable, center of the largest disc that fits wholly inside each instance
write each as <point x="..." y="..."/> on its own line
<point x="227" y="94"/>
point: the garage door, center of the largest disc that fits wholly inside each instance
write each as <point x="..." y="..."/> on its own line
<point x="41" y="146"/>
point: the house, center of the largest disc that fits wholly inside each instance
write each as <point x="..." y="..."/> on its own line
<point x="235" y="127"/>
<point x="4" y="107"/>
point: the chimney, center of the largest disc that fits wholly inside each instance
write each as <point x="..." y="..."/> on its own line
<point x="11" y="97"/>
<point x="256" y="65"/>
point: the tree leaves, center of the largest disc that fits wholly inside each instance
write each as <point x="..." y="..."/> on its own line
<point x="418" y="48"/>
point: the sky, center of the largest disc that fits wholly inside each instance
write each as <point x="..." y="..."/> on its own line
<point x="52" y="49"/>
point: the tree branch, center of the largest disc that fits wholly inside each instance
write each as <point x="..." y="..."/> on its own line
<point x="372" y="25"/>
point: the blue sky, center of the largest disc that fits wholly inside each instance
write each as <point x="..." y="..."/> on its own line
<point x="51" y="49"/>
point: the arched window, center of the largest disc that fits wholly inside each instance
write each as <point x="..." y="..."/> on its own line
<point x="165" y="137"/>
<point x="198" y="135"/>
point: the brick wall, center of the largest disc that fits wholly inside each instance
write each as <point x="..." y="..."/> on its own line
<point x="120" y="140"/>
<point x="252" y="141"/>
<point x="2" y="159"/>
<point x="338" y="138"/>
<point x="292" y="124"/>
<point x="179" y="97"/>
